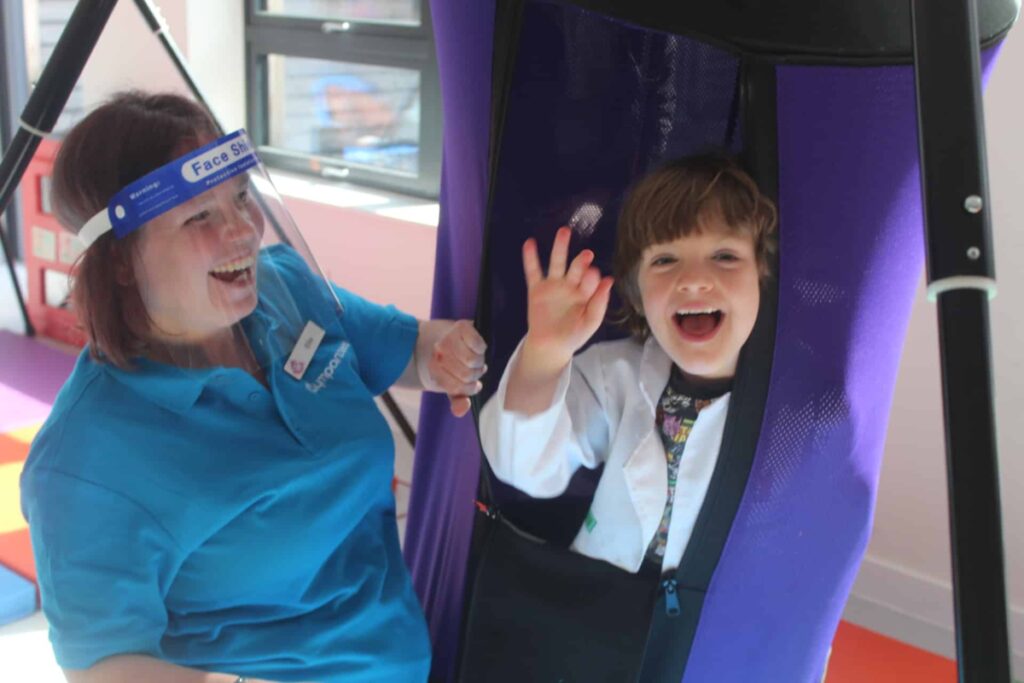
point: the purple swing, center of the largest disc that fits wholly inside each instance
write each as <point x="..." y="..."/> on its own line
<point x="552" y="109"/>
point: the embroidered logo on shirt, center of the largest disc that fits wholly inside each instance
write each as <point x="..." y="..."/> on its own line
<point x="590" y="522"/>
<point x="327" y="375"/>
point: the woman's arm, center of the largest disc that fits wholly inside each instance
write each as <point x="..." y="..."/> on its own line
<point x="448" y="358"/>
<point x="135" y="668"/>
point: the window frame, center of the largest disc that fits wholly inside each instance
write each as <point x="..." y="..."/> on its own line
<point x="388" y="44"/>
<point x="14" y="91"/>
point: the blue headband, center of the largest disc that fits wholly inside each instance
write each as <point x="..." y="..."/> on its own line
<point x="172" y="185"/>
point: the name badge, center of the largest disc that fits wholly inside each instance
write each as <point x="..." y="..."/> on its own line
<point x="304" y="349"/>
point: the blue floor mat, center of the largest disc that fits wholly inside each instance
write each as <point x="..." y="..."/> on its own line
<point x="17" y="596"/>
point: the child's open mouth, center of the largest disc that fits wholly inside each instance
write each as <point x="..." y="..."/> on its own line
<point x="698" y="325"/>
<point x="237" y="272"/>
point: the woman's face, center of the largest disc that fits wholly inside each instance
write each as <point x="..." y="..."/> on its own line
<point x="195" y="265"/>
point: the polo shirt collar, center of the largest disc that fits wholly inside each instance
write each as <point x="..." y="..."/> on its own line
<point x="176" y="389"/>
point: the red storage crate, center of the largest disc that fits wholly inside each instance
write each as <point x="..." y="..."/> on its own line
<point x="50" y="253"/>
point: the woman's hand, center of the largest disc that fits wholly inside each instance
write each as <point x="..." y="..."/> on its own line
<point x="455" y="363"/>
<point x="449" y="358"/>
<point x="565" y="308"/>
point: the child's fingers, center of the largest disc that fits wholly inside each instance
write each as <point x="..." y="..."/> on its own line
<point x="531" y="263"/>
<point x="559" y="252"/>
<point x="578" y="267"/>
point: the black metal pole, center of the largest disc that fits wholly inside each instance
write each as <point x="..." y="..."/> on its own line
<point x="983" y="652"/>
<point x="45" y="105"/>
<point x="156" y="24"/>
<point x="13" y="89"/>
<point x="400" y="419"/>
<point x="961" y="278"/>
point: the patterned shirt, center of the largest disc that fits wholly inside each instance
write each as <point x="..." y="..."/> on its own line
<point x="677" y="412"/>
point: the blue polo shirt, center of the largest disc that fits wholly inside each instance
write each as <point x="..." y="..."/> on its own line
<point x="202" y="518"/>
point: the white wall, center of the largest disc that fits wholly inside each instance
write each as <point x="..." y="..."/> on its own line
<point x="904" y="588"/>
<point x="209" y="34"/>
<point x="129" y="55"/>
<point x="213" y="44"/>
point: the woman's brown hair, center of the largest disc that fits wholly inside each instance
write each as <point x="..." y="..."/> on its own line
<point x="130" y="135"/>
<point x="676" y="200"/>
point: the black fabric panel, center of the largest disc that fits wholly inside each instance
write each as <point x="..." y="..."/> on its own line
<point x="868" y="31"/>
<point x="508" y="16"/>
<point x="539" y="613"/>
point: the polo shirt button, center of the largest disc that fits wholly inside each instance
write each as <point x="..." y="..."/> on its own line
<point x="254" y="396"/>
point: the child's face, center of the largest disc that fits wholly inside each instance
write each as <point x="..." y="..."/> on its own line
<point x="700" y="296"/>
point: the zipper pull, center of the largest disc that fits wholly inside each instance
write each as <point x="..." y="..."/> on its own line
<point x="671" y="597"/>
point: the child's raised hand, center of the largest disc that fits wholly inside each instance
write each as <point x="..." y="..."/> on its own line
<point x="566" y="307"/>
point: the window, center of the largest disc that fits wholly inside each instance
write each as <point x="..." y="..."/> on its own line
<point x="28" y="33"/>
<point x="44" y="23"/>
<point x="346" y="89"/>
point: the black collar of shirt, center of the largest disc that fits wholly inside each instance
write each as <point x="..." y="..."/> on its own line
<point x="703" y="389"/>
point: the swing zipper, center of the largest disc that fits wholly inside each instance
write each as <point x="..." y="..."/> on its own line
<point x="672" y="608"/>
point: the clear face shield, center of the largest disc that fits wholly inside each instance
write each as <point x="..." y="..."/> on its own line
<point x="223" y="273"/>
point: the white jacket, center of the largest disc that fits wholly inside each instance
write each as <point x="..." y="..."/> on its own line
<point x="604" y="411"/>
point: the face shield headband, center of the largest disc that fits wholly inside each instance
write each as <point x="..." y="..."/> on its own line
<point x="172" y="185"/>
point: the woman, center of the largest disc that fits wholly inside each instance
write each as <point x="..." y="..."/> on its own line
<point x="210" y="498"/>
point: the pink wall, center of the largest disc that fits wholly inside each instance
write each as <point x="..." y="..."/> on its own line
<point x="383" y="259"/>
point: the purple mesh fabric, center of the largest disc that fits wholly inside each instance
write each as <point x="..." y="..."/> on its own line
<point x="851" y="255"/>
<point x="447" y="459"/>
<point x="851" y="252"/>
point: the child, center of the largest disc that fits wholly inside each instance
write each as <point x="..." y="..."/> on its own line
<point x="694" y="244"/>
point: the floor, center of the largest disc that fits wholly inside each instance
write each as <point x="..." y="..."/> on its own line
<point x="862" y="656"/>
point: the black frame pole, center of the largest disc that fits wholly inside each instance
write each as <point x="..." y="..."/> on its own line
<point x="961" y="278"/>
<point x="156" y="23"/>
<point x="44" y="107"/>
<point x="13" y="89"/>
